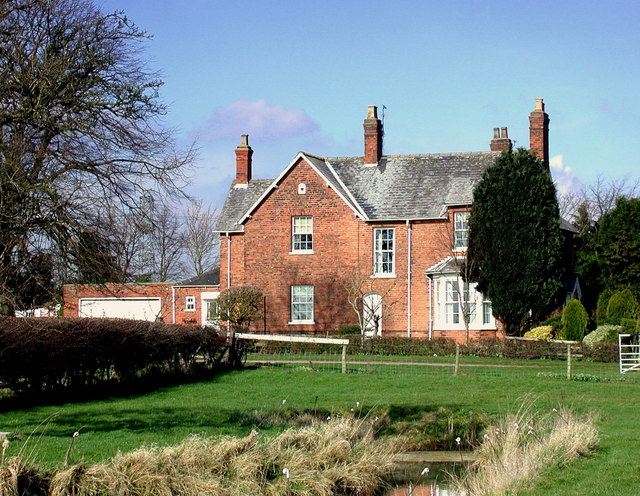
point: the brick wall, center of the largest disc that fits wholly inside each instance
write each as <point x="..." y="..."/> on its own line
<point x="342" y="251"/>
<point x="165" y="291"/>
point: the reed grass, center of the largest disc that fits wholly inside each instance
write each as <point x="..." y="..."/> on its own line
<point x="520" y="447"/>
<point x="340" y="456"/>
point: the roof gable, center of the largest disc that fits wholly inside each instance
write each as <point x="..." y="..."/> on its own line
<point x="397" y="188"/>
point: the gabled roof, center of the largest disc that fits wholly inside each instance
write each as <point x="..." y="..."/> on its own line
<point x="210" y="278"/>
<point x="397" y="188"/>
<point x="238" y="202"/>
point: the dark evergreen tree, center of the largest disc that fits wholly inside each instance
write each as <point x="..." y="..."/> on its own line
<point x="615" y="246"/>
<point x="515" y="244"/>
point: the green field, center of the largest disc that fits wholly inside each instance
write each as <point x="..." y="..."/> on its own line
<point x="213" y="407"/>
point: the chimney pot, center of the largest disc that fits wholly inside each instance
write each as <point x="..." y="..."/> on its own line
<point x="500" y="141"/>
<point x="539" y="132"/>
<point x="372" y="136"/>
<point x="243" y="161"/>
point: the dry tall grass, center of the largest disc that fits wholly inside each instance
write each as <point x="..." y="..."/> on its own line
<point x="338" y="457"/>
<point x="516" y="451"/>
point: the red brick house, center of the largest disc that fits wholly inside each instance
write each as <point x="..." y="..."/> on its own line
<point x="394" y="227"/>
<point x="191" y="302"/>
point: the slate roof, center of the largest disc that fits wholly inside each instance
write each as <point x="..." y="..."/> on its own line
<point x="210" y="278"/>
<point x="412" y="186"/>
<point x="397" y="188"/>
<point x="238" y="202"/>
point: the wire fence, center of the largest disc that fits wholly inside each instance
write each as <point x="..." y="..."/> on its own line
<point x="560" y="360"/>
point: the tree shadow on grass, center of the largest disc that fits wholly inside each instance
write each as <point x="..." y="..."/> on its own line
<point x="107" y="390"/>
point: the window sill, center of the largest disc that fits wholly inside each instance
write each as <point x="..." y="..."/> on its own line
<point x="301" y="252"/>
<point x="189" y="310"/>
<point x="302" y="322"/>
<point x="384" y="276"/>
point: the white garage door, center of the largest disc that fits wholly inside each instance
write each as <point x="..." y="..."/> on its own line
<point x="120" y="308"/>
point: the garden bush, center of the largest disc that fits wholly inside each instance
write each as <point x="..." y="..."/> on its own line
<point x="555" y="323"/>
<point x="574" y="321"/>
<point x="541" y="332"/>
<point x="38" y="354"/>
<point x="622" y="305"/>
<point x="632" y="326"/>
<point x="604" y="334"/>
<point x="601" y="307"/>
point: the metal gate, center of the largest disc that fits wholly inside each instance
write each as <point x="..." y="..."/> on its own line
<point x="629" y="349"/>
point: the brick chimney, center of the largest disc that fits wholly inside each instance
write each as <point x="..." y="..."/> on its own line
<point x="243" y="161"/>
<point x="500" y="141"/>
<point x="539" y="132"/>
<point x="372" y="136"/>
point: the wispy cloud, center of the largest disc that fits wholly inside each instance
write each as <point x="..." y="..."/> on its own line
<point x="260" y="119"/>
<point x="563" y="176"/>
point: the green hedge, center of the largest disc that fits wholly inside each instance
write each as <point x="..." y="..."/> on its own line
<point x="39" y="354"/>
<point x="396" y="346"/>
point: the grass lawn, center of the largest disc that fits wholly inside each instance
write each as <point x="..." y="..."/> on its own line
<point x="169" y="415"/>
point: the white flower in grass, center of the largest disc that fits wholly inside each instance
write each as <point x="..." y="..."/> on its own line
<point x="76" y="434"/>
<point x="328" y="418"/>
<point x="554" y="410"/>
<point x="458" y="440"/>
<point x="352" y="410"/>
<point x="486" y="437"/>
<point x="284" y="401"/>
<point x="497" y="431"/>
<point x="425" y="471"/>
<point x="530" y="431"/>
<point x="357" y="404"/>
<point x="376" y="419"/>
<point x="286" y="473"/>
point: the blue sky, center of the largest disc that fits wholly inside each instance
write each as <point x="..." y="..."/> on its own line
<point x="299" y="75"/>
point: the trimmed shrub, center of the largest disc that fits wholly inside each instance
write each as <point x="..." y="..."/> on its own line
<point x="541" y="332"/>
<point x="632" y="326"/>
<point x="555" y="323"/>
<point x="601" y="308"/>
<point x="574" y="321"/>
<point x="42" y="354"/>
<point x="622" y="305"/>
<point x="604" y="334"/>
<point x="348" y="330"/>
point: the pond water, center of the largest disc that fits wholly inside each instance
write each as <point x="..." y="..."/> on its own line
<point x="409" y="481"/>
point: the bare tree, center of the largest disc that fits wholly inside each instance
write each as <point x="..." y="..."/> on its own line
<point x="200" y="241"/>
<point x="455" y="238"/>
<point x="79" y="128"/>
<point x="597" y="198"/>
<point x="167" y="240"/>
<point x="368" y="302"/>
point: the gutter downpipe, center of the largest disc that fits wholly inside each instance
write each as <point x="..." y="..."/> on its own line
<point x="228" y="260"/>
<point x="408" y="278"/>
<point x="430" y="307"/>
<point x="173" y="304"/>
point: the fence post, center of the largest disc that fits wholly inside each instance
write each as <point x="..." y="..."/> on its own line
<point x="344" y="358"/>
<point x="457" y="365"/>
<point x="569" y="361"/>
